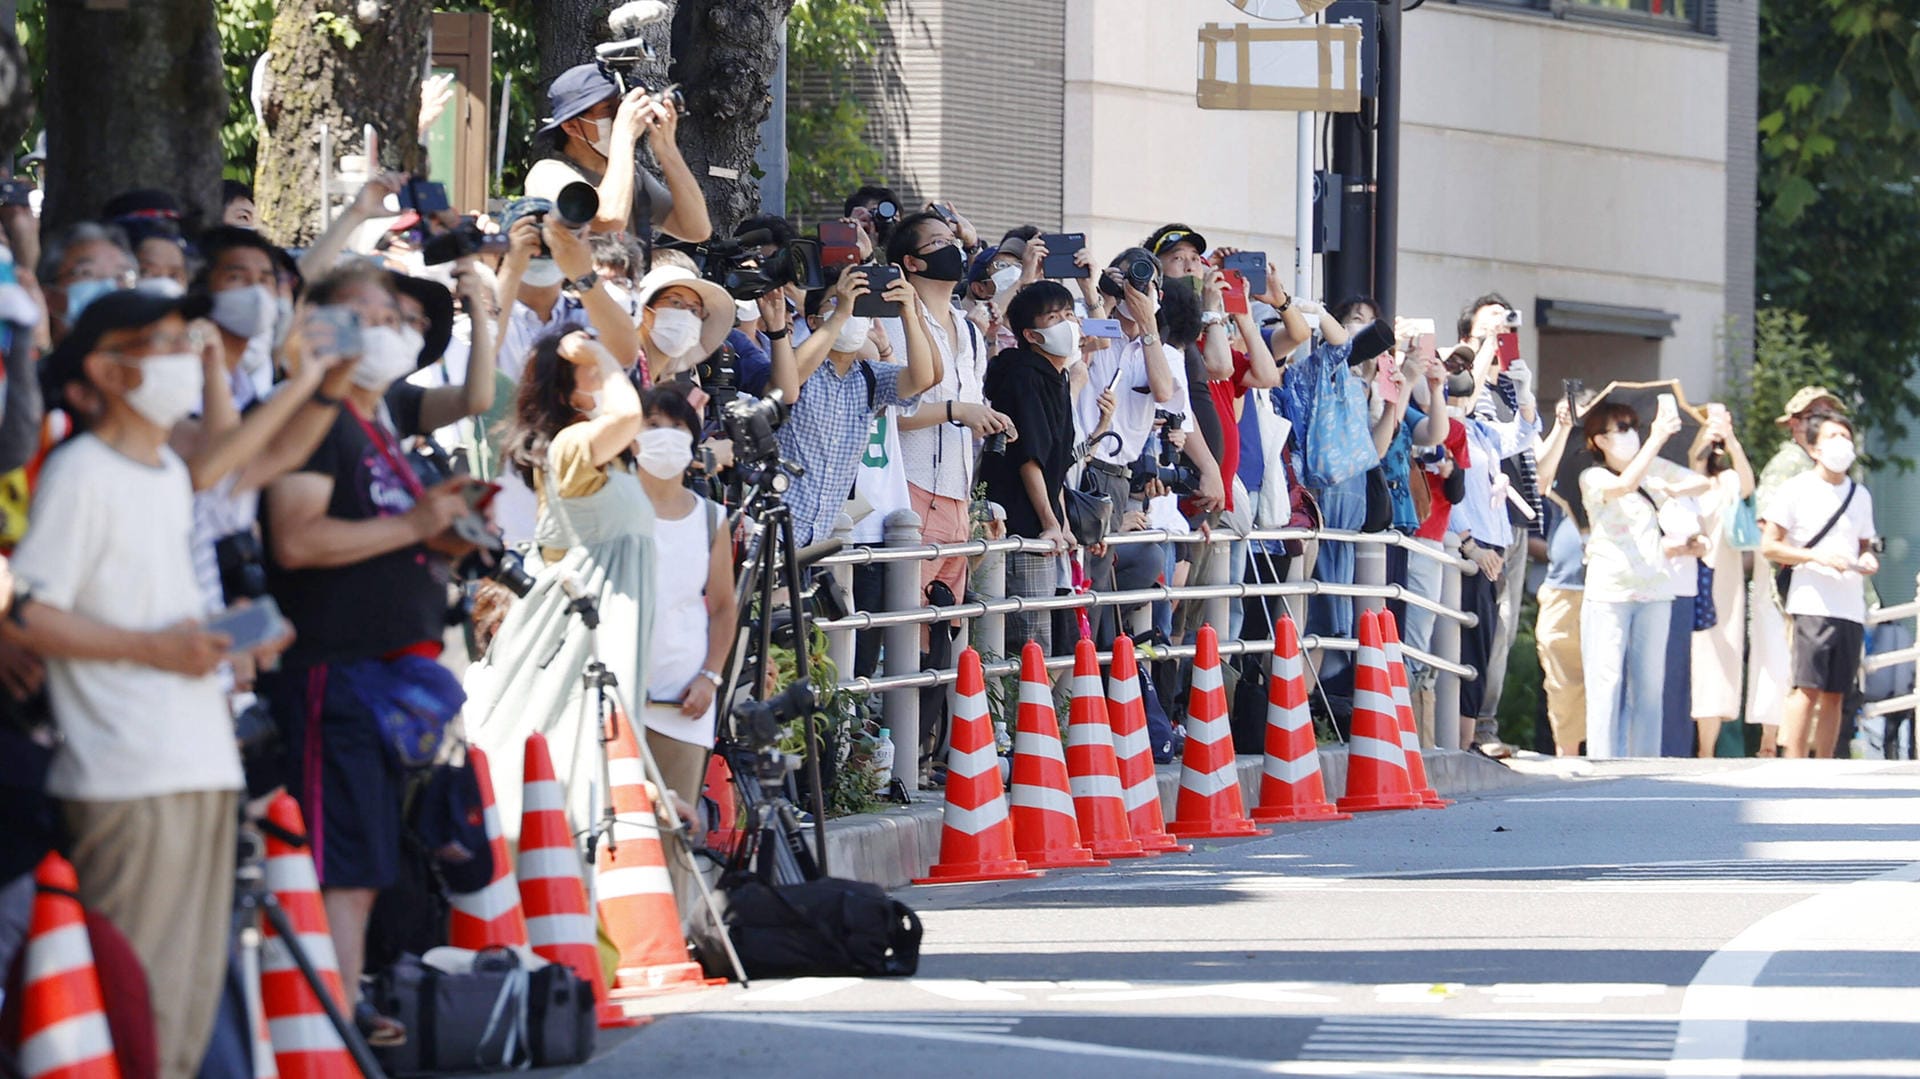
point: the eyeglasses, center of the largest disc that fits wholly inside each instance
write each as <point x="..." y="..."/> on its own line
<point x="681" y="304"/>
<point x="88" y="272"/>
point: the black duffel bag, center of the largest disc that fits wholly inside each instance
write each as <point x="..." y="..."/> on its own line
<point x="496" y="1017"/>
<point x="821" y="928"/>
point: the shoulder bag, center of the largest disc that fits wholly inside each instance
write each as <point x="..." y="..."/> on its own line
<point x="1783" y="575"/>
<point x="1339" y="442"/>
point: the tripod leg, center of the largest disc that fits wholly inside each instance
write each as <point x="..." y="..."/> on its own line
<point x="350" y="1034"/>
<point x="803" y="664"/>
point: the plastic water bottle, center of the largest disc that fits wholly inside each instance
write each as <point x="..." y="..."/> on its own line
<point x="883" y="759"/>
<point x="1003" y="742"/>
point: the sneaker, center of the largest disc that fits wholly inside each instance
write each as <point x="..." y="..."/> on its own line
<point x="1495" y="749"/>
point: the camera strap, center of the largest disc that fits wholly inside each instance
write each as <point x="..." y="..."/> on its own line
<point x="389" y="448"/>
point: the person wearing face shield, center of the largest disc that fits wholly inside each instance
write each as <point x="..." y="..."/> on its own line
<point x="592" y="134"/>
<point x="1629" y="588"/>
<point x="357" y="550"/>
<point x="1820" y="526"/>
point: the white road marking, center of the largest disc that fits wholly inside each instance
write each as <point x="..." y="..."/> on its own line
<point x="1269" y="992"/>
<point x="797" y="990"/>
<point x="963" y="990"/>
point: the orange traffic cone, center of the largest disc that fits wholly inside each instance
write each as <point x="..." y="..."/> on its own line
<point x="725" y="834"/>
<point x="1045" y="831"/>
<point x="1210" y="804"/>
<point x="1139" y="783"/>
<point x="1376" y="765"/>
<point x="63" y="1017"/>
<point x="976" y="834"/>
<point x="559" y="926"/>
<point x="634" y="888"/>
<point x="264" y="1065"/>
<point x="1092" y="769"/>
<point x="490" y="916"/>
<point x="1403" y="710"/>
<point x="305" y="1045"/>
<point x="1291" y="788"/>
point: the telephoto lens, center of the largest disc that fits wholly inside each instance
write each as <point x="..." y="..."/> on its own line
<point x="995" y="443"/>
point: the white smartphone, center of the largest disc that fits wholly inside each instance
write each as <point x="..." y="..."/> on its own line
<point x="1668" y="406"/>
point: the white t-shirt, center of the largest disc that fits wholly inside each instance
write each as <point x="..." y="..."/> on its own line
<point x="882" y="478"/>
<point x="1133" y="402"/>
<point x="1801" y="506"/>
<point x="940" y="457"/>
<point x="683" y="548"/>
<point x="110" y="540"/>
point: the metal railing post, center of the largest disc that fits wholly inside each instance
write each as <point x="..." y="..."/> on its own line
<point x="1217" y="612"/>
<point x="1446" y="645"/>
<point x="989" y="580"/>
<point x="1369" y="568"/>
<point x="840" y="646"/>
<point x="901" y="648"/>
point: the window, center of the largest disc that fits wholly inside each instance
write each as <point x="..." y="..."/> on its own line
<point x="1679" y="15"/>
<point x="1681" y="12"/>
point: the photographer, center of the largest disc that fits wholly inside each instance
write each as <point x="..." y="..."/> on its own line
<point x="147" y="772"/>
<point x="356" y="531"/>
<point x="548" y="283"/>
<point x="836" y="391"/>
<point x="1029" y="384"/>
<point x="592" y="134"/>
<point x="937" y="440"/>
<point x="571" y="439"/>
<point x="873" y="209"/>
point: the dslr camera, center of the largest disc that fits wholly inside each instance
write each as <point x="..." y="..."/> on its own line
<point x="750" y="423"/>
<point x="736" y="263"/>
<point x="1160" y="461"/>
<point x="575" y="209"/>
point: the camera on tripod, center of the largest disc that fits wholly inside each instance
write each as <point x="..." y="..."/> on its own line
<point x="720" y="377"/>
<point x="756" y="726"/>
<point x="1160" y="461"/>
<point x="750" y="423"/>
<point x="747" y="270"/>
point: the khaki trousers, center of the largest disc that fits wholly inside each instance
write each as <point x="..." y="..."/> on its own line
<point x="1557" y="638"/>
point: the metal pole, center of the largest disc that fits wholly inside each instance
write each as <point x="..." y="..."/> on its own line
<point x="901" y="648"/>
<point x="1369" y="568"/>
<point x="840" y="643"/>
<point x="772" y="155"/>
<point x="1386" y="197"/>
<point x="1446" y="645"/>
<point x="326" y="178"/>
<point x="1303" y="208"/>
<point x="500" y="140"/>
<point x="989" y="636"/>
<point x="1218" y="612"/>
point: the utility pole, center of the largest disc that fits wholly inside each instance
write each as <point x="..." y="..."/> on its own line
<point x="1386" y="194"/>
<point x="1366" y="156"/>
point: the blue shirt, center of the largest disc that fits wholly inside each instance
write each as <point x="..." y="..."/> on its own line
<point x="826" y="434"/>
<point x="1399" y="469"/>
<point x="1566" y="550"/>
<point x="755" y="366"/>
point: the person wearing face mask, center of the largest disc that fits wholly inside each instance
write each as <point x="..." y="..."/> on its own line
<point x="1029" y="383"/>
<point x="836" y="391"/>
<point x="684" y="318"/>
<point x="357" y="549"/>
<point x="571" y="438"/>
<point x="540" y="294"/>
<point x="1769" y="652"/>
<point x="591" y="134"/>
<point x="937" y="440"/>
<point x="79" y="266"/>
<point x="1820" y="525"/>
<point x="240" y="277"/>
<point x="1625" y="612"/>
<point x="147" y="775"/>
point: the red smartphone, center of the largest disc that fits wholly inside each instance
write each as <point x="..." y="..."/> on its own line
<point x="479" y="494"/>
<point x="1235" y="293"/>
<point x="1507" y="347"/>
<point x="839" y="244"/>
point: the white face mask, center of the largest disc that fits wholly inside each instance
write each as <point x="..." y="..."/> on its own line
<point x="1061" y="340"/>
<point x="245" y="312"/>
<point x="161" y="286"/>
<point x="675" y="331"/>
<point x="603" y="136"/>
<point x="665" y="452"/>
<point x="1837" y="454"/>
<point x="853" y="335"/>
<point x="1004" y="279"/>
<point x="386" y="355"/>
<point x="622" y="297"/>
<point x="282" y="320"/>
<point x="1624" y="444"/>
<point x="542" y="273"/>
<point x="171" y="387"/>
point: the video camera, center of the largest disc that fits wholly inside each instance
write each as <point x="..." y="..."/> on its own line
<point x="1160" y="461"/>
<point x="738" y="265"/>
<point x="621" y="59"/>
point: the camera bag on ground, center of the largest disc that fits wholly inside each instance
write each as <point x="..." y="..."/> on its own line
<point x="498" y="1016"/>
<point x="820" y="928"/>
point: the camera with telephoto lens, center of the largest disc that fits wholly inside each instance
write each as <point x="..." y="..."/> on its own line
<point x="758" y="725"/>
<point x="461" y="241"/>
<point x="750" y="423"/>
<point x="719" y="375"/>
<point x="1138" y="272"/>
<point x="740" y="265"/>
<point x="575" y="208"/>
<point x="1160" y="461"/>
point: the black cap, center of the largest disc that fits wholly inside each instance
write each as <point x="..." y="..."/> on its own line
<point x="574" y="91"/>
<point x="1167" y="235"/>
<point x="438" y="304"/>
<point x="126" y="309"/>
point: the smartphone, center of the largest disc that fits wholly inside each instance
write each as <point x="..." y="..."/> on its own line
<point x="333" y="330"/>
<point x="1061" y="248"/>
<point x="1507" y="349"/>
<point x="941" y="212"/>
<point x="1251" y="265"/>
<point x="424" y="197"/>
<point x="1573" y="388"/>
<point x="839" y="244"/>
<point x="258" y="622"/>
<point x="1384" y="383"/>
<point x="879" y="278"/>
<point x="1114" y="381"/>
<point x="1668" y="406"/>
<point x="16" y="192"/>
<point x="478" y="495"/>
<point x="1235" y="293"/>
<point x="1107" y="328"/>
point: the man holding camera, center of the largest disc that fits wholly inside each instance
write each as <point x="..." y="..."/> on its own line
<point x="592" y="134"/>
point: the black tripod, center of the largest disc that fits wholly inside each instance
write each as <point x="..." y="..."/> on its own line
<point x="770" y="562"/>
<point x="253" y="900"/>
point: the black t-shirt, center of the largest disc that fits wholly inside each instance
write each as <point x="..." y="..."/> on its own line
<point x="1034" y="394"/>
<point x="388" y="602"/>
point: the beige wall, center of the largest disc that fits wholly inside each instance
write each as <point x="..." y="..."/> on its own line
<point x="1541" y="158"/>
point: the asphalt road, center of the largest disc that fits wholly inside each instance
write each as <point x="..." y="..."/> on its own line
<point x="1666" y="918"/>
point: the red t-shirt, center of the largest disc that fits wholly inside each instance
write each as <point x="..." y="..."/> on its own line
<point x="1435" y="526"/>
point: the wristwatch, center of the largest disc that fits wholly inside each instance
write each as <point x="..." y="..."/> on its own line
<point x="1149" y="339"/>
<point x="1212" y="318"/>
<point x="711" y="676"/>
<point x="779" y="334"/>
<point x="585" y="282"/>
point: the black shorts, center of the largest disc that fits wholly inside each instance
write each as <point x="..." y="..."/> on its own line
<point x="1826" y="653"/>
<point x="348" y="785"/>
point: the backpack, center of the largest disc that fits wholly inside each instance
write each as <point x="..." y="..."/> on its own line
<point x="820" y="928"/>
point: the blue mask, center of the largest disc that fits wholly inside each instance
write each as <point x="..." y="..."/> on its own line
<point x="82" y="293"/>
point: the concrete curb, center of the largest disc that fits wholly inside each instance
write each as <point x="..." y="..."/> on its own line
<point x="892" y="847"/>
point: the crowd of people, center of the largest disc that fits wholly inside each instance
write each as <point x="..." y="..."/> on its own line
<point x="358" y="435"/>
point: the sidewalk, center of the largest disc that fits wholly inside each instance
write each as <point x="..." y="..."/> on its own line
<point x="892" y="847"/>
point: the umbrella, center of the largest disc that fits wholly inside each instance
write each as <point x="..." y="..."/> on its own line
<point x="1643" y="398"/>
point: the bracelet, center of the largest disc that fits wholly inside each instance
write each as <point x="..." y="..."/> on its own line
<point x="950" y="418"/>
<point x="780" y="334"/>
<point x="324" y="401"/>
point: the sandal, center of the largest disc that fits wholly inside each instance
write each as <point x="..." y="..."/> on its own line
<point x="381" y="1031"/>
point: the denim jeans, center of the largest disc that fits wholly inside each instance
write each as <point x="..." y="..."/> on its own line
<point x="1623" y="647"/>
<point x="1423" y="579"/>
<point x="1237" y="572"/>
<point x="1344" y="507"/>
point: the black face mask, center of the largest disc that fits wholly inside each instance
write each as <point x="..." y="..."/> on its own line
<point x="946" y="264"/>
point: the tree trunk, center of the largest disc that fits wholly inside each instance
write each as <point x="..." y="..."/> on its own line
<point x="345" y="63"/>
<point x="725" y="53"/>
<point x="134" y="99"/>
<point x="567" y="31"/>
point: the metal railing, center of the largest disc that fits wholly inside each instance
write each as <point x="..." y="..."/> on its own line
<point x="899" y="682"/>
<point x="1907" y="701"/>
